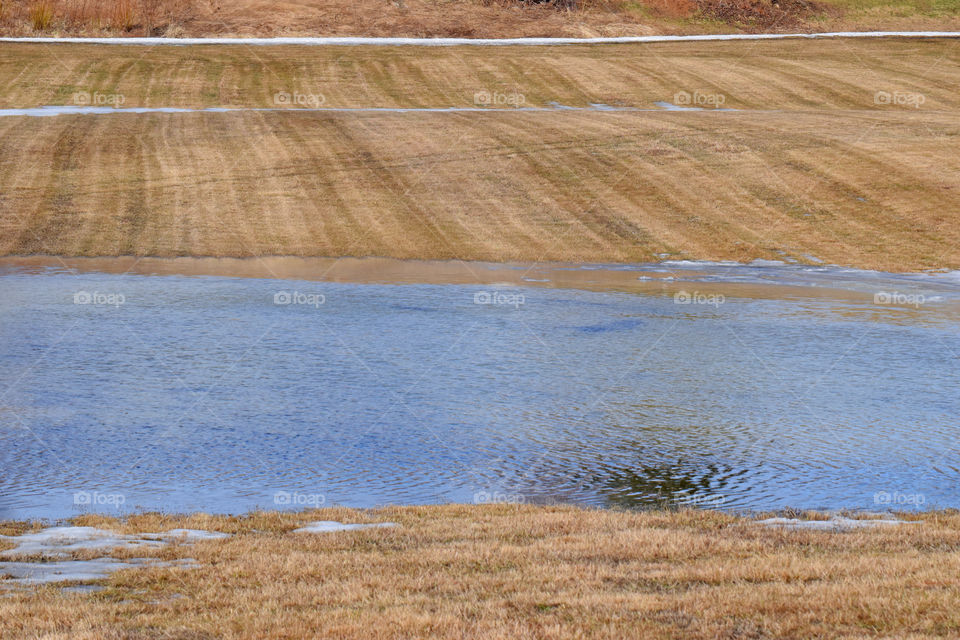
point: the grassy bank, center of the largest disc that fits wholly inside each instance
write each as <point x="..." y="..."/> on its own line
<point x="504" y="571"/>
<point x="467" y="18"/>
<point x="812" y="166"/>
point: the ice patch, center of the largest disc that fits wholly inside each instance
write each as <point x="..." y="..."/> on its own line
<point x="61" y="542"/>
<point x="29" y="573"/>
<point x="57" y="542"/>
<point x="326" y="526"/>
<point x="834" y="524"/>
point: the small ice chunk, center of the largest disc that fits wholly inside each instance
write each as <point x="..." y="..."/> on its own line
<point x="834" y="524"/>
<point x="83" y="588"/>
<point x="326" y="526"/>
<point x="669" y="106"/>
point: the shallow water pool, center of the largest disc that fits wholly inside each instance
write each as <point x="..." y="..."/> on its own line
<point x="180" y="393"/>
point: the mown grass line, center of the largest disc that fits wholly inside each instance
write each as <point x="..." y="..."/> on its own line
<point x="870" y="190"/>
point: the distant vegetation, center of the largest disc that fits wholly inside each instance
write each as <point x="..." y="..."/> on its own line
<point x="465" y="18"/>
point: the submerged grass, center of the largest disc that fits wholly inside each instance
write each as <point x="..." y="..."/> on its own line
<point x="508" y="571"/>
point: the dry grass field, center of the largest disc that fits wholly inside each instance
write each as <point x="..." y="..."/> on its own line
<point x="466" y="18"/>
<point x="875" y="191"/>
<point x="810" y="164"/>
<point x="759" y="75"/>
<point x="506" y="571"/>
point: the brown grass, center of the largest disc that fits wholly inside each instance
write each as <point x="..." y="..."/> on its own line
<point x="470" y="18"/>
<point x="826" y="173"/>
<point x="497" y="187"/>
<point x="516" y="572"/>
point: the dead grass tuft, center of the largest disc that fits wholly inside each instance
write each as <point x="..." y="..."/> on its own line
<point x="41" y="15"/>
<point x="122" y="15"/>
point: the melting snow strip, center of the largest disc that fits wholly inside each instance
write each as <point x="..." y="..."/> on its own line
<point x="447" y="42"/>
<point x="834" y="524"/>
<point x="65" y="110"/>
<point x="326" y="526"/>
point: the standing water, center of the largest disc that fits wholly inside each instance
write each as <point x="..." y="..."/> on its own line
<point x="753" y="387"/>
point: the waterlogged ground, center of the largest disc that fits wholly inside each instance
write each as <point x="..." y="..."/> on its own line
<point x="707" y="384"/>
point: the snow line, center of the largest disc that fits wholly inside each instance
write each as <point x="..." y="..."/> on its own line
<point x="446" y="42"/>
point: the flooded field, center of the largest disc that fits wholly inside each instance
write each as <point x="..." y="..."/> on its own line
<point x="165" y="384"/>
